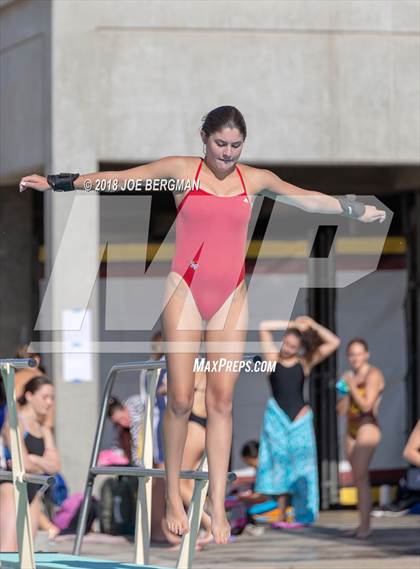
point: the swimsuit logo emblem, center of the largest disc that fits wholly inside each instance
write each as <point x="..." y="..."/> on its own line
<point x="193" y="265"/>
<point x="246" y="200"/>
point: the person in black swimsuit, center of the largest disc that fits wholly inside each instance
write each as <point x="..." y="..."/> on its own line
<point x="199" y="388"/>
<point x="286" y="384"/>
<point x="195" y="447"/>
<point x="287" y="465"/>
<point x="40" y="456"/>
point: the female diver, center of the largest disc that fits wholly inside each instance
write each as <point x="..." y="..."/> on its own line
<point x="207" y="284"/>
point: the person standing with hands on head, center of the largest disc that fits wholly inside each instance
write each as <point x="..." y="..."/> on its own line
<point x="206" y="285"/>
<point x="287" y="458"/>
<point x="360" y="392"/>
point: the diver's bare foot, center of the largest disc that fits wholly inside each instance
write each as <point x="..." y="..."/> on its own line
<point x="169" y="536"/>
<point x="176" y="517"/>
<point x="220" y="527"/>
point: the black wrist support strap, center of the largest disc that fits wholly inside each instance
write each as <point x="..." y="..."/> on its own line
<point x="62" y="182"/>
<point x="351" y="207"/>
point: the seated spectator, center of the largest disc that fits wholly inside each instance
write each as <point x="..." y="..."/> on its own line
<point x="128" y="419"/>
<point x="193" y="453"/>
<point x="194" y="449"/>
<point x="243" y="488"/>
<point x="156" y="342"/>
<point x="40" y="456"/>
<point x="249" y="454"/>
<point x="25" y="374"/>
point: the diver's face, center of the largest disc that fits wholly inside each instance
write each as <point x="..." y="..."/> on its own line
<point x="224" y="147"/>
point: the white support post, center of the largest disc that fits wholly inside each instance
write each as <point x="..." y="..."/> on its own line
<point x="189" y="540"/>
<point x="144" y="497"/>
<point x="23" y="519"/>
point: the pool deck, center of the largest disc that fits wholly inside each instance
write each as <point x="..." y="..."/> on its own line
<point x="394" y="544"/>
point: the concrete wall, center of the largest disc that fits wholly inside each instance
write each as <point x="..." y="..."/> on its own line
<point x="25" y="88"/>
<point x="24" y="148"/>
<point x="38" y="114"/>
<point x="317" y="81"/>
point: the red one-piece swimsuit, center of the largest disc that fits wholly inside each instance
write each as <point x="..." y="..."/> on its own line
<point x="211" y="236"/>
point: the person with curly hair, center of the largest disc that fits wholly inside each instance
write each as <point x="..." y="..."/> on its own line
<point x="287" y="461"/>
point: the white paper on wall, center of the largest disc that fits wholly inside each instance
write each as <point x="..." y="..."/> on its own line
<point x="77" y="359"/>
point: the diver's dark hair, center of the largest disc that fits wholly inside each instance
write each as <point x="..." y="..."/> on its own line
<point x="221" y="117"/>
<point x="33" y="386"/>
<point x="357" y="341"/>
